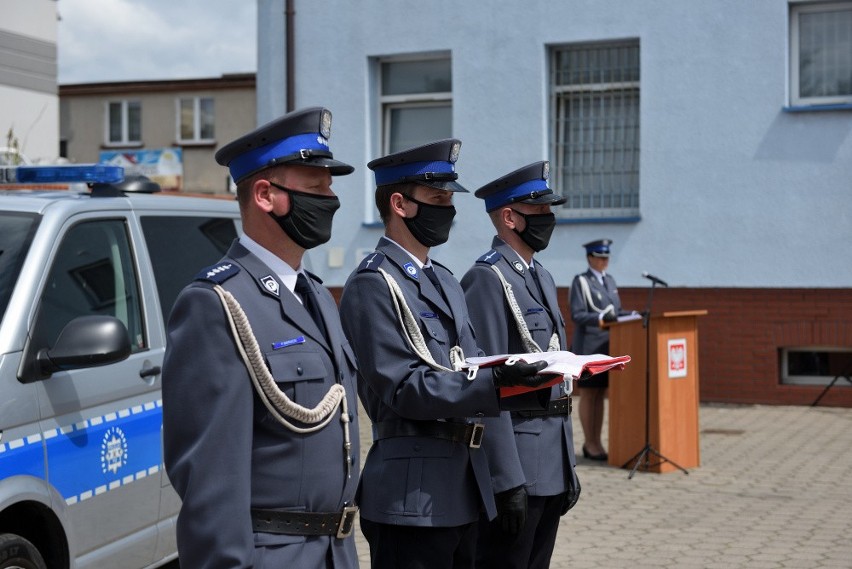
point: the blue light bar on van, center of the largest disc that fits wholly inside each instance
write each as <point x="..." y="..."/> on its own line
<point x="87" y="173"/>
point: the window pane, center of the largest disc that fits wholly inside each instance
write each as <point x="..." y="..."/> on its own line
<point x="203" y="240"/>
<point x="93" y="275"/>
<point x="815" y="366"/>
<point x="407" y="77"/>
<point x="134" y="121"/>
<point x="15" y="239"/>
<point x="115" y="122"/>
<point x="825" y="53"/>
<point x="596" y="130"/>
<point x="207" y="116"/>
<point x="413" y="126"/>
<point x="187" y="118"/>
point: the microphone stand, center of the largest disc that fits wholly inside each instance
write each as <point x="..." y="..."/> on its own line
<point x="643" y="456"/>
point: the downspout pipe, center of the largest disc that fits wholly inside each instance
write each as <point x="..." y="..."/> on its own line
<point x="290" y="56"/>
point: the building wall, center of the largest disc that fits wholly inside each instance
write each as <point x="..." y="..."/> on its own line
<point x="740" y="337"/>
<point x="744" y="207"/>
<point x="85" y="114"/>
<point x="29" y="105"/>
<point x="734" y="191"/>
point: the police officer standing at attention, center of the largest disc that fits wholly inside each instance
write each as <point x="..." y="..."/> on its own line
<point x="514" y="309"/>
<point x="594" y="301"/>
<point x="259" y="383"/>
<point x="426" y="477"/>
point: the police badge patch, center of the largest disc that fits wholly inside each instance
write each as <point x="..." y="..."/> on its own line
<point x="518" y="266"/>
<point x="411" y="270"/>
<point x="270" y="284"/>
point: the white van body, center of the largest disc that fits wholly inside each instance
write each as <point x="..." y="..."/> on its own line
<point x="81" y="461"/>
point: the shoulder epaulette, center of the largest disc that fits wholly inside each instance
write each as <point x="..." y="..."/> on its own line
<point x="218" y="273"/>
<point x="434" y="262"/>
<point x="490" y="257"/>
<point x="371" y="262"/>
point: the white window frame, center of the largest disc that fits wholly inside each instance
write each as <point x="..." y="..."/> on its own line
<point x="795" y="11"/>
<point x="385" y="104"/>
<point x="196" y="120"/>
<point x="580" y="213"/>
<point x="125" y="123"/>
<point x="787" y="379"/>
<point x="389" y="102"/>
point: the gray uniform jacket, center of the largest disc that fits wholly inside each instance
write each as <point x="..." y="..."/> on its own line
<point x="416" y="480"/>
<point x="589" y="337"/>
<point x="537" y="452"/>
<point x="224" y="452"/>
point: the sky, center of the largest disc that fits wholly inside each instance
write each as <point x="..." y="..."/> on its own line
<point x="128" y="40"/>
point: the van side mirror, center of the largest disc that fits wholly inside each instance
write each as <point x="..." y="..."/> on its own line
<point x="85" y="342"/>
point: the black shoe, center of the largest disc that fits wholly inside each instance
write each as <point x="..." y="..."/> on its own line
<point x="590" y="456"/>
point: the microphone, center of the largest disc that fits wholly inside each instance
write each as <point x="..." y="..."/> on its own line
<point x="653" y="279"/>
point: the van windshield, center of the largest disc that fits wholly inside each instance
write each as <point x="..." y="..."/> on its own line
<point x="16" y="234"/>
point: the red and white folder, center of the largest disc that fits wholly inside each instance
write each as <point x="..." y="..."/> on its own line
<point x="563" y="364"/>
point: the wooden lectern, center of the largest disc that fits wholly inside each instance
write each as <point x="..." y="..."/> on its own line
<point x="673" y="397"/>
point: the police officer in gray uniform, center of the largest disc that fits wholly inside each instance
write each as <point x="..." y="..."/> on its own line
<point x="426" y="478"/>
<point x="259" y="383"/>
<point x="594" y="301"/>
<point x="513" y="306"/>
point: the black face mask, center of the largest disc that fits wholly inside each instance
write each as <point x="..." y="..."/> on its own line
<point x="431" y="225"/>
<point x="538" y="230"/>
<point x="308" y="222"/>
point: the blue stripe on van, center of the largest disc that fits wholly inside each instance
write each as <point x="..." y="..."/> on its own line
<point x="93" y="456"/>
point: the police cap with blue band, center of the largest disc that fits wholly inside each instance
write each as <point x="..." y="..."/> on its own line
<point x="599" y="248"/>
<point x="299" y="138"/>
<point x="525" y="185"/>
<point x="432" y="165"/>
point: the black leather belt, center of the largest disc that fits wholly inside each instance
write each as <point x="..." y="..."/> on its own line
<point x="338" y="524"/>
<point x="556" y="407"/>
<point x="467" y="433"/>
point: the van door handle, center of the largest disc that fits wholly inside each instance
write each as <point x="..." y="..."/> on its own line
<point x="148" y="372"/>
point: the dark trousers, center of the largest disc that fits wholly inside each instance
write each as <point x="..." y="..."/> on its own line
<point x="532" y="548"/>
<point x="406" y="547"/>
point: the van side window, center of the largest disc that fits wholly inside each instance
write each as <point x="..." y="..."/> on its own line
<point x="92" y="274"/>
<point x="203" y="241"/>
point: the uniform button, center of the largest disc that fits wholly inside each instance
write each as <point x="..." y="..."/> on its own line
<point x="299" y="370"/>
<point x="416" y="448"/>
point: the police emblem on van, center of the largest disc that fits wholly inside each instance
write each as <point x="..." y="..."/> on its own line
<point x="113" y="450"/>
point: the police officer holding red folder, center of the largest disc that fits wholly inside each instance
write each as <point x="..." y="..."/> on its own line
<point x="426" y="478"/>
<point x="514" y="308"/>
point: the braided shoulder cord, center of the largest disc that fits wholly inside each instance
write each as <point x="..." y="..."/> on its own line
<point x="412" y="332"/>
<point x="530" y="345"/>
<point x="276" y="401"/>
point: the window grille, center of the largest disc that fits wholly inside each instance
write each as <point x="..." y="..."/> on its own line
<point x="595" y="130"/>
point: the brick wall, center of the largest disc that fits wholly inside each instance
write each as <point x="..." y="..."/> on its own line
<point x="740" y="337"/>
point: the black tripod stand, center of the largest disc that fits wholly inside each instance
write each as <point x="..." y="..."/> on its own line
<point x="643" y="457"/>
<point x="847" y="375"/>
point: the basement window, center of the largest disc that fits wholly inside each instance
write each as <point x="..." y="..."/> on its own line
<point x="815" y="365"/>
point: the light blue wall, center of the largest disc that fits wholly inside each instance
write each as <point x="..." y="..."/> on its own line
<point x="734" y="191"/>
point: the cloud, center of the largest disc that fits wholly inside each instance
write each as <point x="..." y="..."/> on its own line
<point x="126" y="40"/>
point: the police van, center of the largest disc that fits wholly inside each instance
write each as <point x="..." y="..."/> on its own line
<point x="87" y="280"/>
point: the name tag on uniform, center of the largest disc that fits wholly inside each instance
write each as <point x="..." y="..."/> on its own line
<point x="534" y="310"/>
<point x="285" y="343"/>
<point x="428" y="315"/>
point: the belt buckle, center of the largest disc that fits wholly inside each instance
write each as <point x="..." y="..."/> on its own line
<point x="347" y="522"/>
<point x="476" y="435"/>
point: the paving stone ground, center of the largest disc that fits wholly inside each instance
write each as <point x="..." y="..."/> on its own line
<point x="774" y="490"/>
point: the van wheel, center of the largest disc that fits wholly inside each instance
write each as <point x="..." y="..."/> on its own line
<point x="18" y="553"/>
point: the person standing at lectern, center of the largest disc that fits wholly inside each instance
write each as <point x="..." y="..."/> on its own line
<point x="594" y="302"/>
